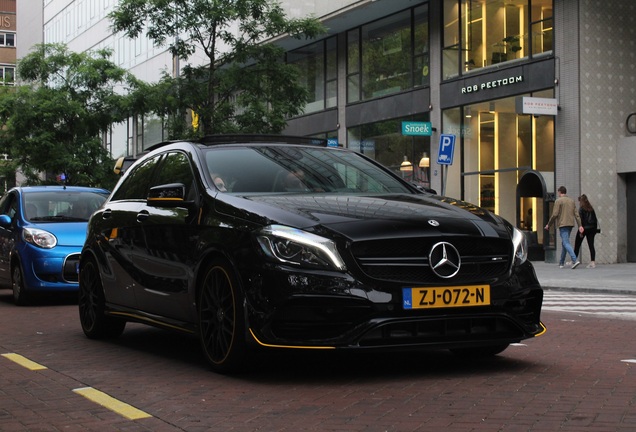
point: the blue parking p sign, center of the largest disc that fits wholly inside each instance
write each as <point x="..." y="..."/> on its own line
<point x="446" y="149"/>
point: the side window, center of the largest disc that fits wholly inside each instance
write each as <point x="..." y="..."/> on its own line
<point x="136" y="184"/>
<point x="175" y="168"/>
<point x="9" y="205"/>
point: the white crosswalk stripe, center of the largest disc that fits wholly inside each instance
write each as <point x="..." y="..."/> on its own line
<point x="615" y="305"/>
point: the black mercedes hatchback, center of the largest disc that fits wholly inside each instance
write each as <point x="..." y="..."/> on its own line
<point x="286" y="243"/>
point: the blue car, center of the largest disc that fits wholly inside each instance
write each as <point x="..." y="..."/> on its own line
<point x="42" y="231"/>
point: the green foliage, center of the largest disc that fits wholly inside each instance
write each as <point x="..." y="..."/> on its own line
<point x="244" y="85"/>
<point x="53" y="122"/>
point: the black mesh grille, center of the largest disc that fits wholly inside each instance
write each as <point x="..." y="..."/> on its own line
<point x="406" y="260"/>
<point x="447" y="330"/>
<point x="70" y="268"/>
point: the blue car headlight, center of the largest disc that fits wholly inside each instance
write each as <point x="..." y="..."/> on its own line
<point x="520" y="244"/>
<point x="298" y="247"/>
<point x="39" y="238"/>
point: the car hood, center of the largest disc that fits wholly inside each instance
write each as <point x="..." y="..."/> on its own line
<point x="67" y="233"/>
<point x="360" y="217"/>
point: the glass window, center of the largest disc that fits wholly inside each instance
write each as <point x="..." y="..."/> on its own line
<point x="498" y="146"/>
<point x="153" y="129"/>
<point x="482" y="33"/>
<point x="389" y="55"/>
<point x="284" y="169"/>
<point x="421" y="47"/>
<point x="353" y="66"/>
<point x="331" y="59"/>
<point x="136" y="185"/>
<point x="386" y="56"/>
<point x="73" y="206"/>
<point x="175" y="168"/>
<point x="9" y="205"/>
<point x="408" y="156"/>
<point x="541" y="26"/>
<point x="7" y="75"/>
<point x="317" y="64"/>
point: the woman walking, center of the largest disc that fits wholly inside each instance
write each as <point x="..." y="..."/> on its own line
<point x="590" y="227"/>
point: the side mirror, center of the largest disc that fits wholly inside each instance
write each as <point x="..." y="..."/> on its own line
<point x="424" y="189"/>
<point x="168" y="195"/>
<point x="5" y="220"/>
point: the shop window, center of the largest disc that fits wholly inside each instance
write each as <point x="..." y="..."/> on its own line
<point x="407" y="156"/>
<point x="497" y="147"/>
<point x="482" y="33"/>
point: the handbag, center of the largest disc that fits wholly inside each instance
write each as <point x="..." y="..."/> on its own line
<point x="598" y="227"/>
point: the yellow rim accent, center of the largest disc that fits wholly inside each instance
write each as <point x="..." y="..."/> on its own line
<point x="290" y="346"/>
<point x="545" y="329"/>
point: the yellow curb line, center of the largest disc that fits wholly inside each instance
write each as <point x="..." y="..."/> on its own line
<point x="23" y="361"/>
<point x="101" y="398"/>
<point x="115" y="405"/>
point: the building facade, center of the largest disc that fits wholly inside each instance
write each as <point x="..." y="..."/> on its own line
<point x="530" y="94"/>
<point x="7" y="41"/>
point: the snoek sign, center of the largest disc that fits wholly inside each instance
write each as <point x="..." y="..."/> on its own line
<point x="417" y="128"/>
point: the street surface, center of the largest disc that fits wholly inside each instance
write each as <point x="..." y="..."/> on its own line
<point x="579" y="376"/>
<point x="615" y="305"/>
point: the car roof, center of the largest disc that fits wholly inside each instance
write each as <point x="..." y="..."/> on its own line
<point x="125" y="162"/>
<point x="47" y="188"/>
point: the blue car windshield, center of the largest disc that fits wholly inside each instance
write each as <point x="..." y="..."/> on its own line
<point x="61" y="206"/>
<point x="292" y="169"/>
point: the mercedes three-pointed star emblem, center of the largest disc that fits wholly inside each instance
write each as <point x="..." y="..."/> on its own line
<point x="444" y="260"/>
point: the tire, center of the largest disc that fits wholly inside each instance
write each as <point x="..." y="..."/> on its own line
<point x="221" y="319"/>
<point x="482" y="351"/>
<point x="92" y="305"/>
<point x="20" y="295"/>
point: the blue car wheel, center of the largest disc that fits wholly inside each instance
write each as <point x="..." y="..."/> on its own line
<point x="20" y="296"/>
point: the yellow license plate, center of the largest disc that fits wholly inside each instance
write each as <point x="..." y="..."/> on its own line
<point x="446" y="297"/>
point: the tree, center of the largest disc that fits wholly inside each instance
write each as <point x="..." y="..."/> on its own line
<point x="54" y="121"/>
<point x="244" y="85"/>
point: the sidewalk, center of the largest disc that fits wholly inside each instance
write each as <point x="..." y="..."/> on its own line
<point x="616" y="278"/>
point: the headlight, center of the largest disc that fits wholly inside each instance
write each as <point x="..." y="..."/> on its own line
<point x="39" y="238"/>
<point x="294" y="246"/>
<point x="521" y="246"/>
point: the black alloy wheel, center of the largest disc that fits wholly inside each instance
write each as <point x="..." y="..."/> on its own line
<point x="20" y="296"/>
<point x="91" y="301"/>
<point x="221" y="319"/>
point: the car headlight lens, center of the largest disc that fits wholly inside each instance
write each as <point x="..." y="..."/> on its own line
<point x="521" y="246"/>
<point x="294" y="246"/>
<point x="39" y="238"/>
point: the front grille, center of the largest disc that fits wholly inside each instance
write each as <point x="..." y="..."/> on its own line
<point x="406" y="260"/>
<point x="70" y="271"/>
<point x="442" y="331"/>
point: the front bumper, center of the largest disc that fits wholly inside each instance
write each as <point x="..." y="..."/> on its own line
<point x="50" y="269"/>
<point x="288" y="308"/>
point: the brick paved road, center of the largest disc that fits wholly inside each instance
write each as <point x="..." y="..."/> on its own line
<point x="577" y="377"/>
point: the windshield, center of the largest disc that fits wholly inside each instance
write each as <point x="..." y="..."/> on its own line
<point x="63" y="205"/>
<point x="293" y="169"/>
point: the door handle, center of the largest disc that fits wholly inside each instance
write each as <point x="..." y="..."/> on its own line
<point x="142" y="215"/>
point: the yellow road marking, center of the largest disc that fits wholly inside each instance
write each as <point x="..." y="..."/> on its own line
<point x="121" y="408"/>
<point x="23" y="361"/>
